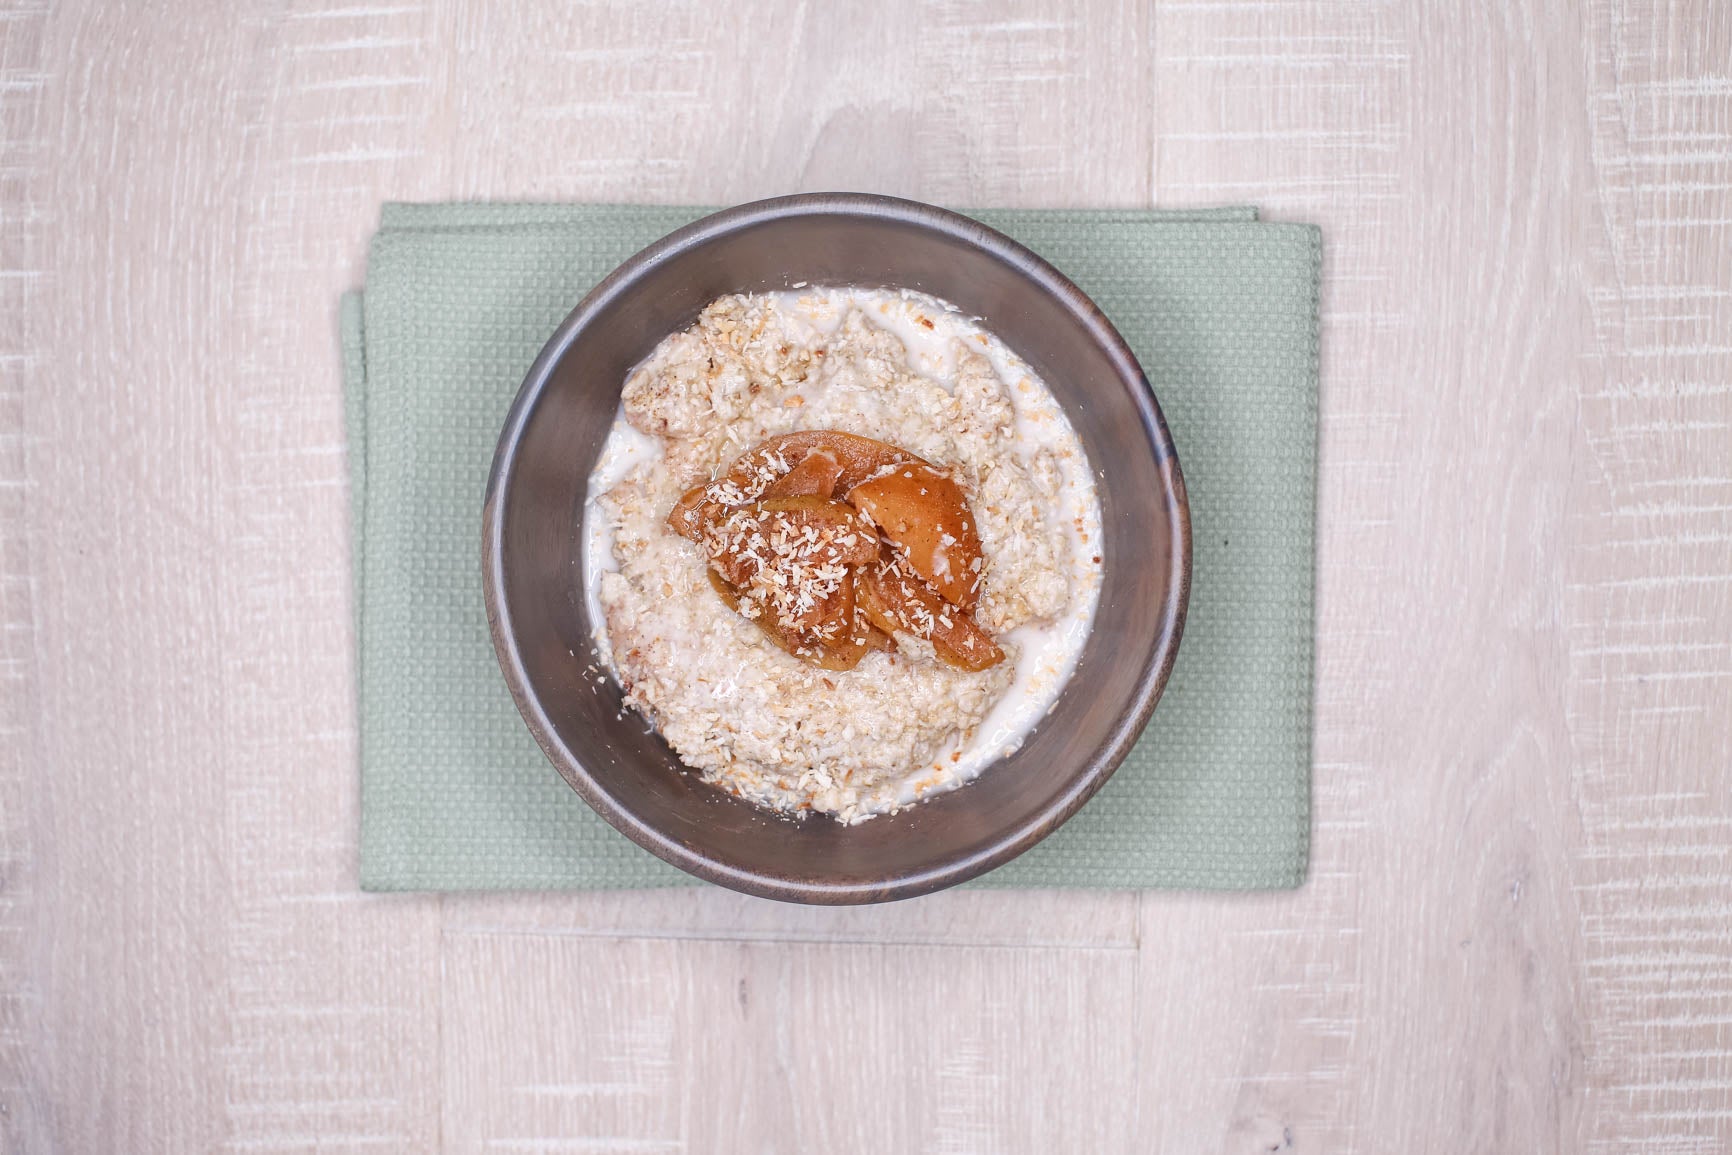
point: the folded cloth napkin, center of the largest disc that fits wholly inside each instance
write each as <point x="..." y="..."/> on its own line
<point x="1220" y="308"/>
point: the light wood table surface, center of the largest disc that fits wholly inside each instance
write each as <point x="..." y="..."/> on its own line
<point x="1517" y="933"/>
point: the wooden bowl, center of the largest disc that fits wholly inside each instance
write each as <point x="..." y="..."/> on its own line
<point x="533" y="567"/>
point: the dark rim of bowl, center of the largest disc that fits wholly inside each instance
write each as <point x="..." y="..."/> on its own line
<point x="1150" y="683"/>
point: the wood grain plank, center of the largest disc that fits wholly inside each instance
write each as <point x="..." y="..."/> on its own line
<point x="126" y="529"/>
<point x="1306" y="112"/>
<point x="1648" y="606"/>
<point x="963" y="102"/>
<point x="1036" y="918"/>
<point x="1515" y="932"/>
<point x="209" y="977"/>
<point x="23" y="1120"/>
<point x="647" y="1045"/>
<point x="332" y="1035"/>
<point x="1450" y="939"/>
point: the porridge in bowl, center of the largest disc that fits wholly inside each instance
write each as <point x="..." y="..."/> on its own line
<point x="842" y="548"/>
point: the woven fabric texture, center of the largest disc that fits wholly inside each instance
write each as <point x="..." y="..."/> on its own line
<point x="1222" y="311"/>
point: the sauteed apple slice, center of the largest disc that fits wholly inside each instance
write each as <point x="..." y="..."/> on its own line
<point x="925" y="512"/>
<point x="894" y="597"/>
<point x="796" y="535"/>
<point x="783" y="467"/>
<point x="791" y="561"/>
<point x="827" y="580"/>
<point x="859" y="457"/>
<point x="829" y="648"/>
<point x="694" y="512"/>
<point x="814" y="476"/>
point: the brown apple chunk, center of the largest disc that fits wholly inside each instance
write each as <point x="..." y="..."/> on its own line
<point x="831" y="580"/>
<point x="858" y="457"/>
<point x="792" y="561"/>
<point x="925" y="513"/>
<point x="814" y="476"/>
<point x="894" y="596"/>
<point x="694" y="512"/>
<point x="790" y="534"/>
<point x="825" y="644"/>
<point x="784" y="466"/>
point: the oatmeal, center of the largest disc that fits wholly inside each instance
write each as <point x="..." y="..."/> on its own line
<point x="842" y="548"/>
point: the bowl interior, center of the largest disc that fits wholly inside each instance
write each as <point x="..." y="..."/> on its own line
<point x="535" y="568"/>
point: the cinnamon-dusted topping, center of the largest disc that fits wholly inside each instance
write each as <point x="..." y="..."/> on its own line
<point x="787" y="553"/>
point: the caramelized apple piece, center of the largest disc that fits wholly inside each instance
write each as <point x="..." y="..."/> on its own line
<point x="863" y="632"/>
<point x="814" y="476"/>
<point x="816" y="646"/>
<point x="834" y="626"/>
<point x="790" y="558"/>
<point x="813" y="573"/>
<point x="925" y="512"/>
<point x="848" y="651"/>
<point x="826" y="622"/>
<point x="863" y="637"/>
<point x="908" y="604"/>
<point x="788" y="532"/>
<point x="838" y="633"/>
<point x="859" y="457"/>
<point x="783" y="467"/>
<point x="729" y="595"/>
<point x="877" y="639"/>
<point x="877" y="612"/>
<point x="693" y="513"/>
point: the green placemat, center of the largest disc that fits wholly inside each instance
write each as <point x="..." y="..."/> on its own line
<point x="455" y="795"/>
